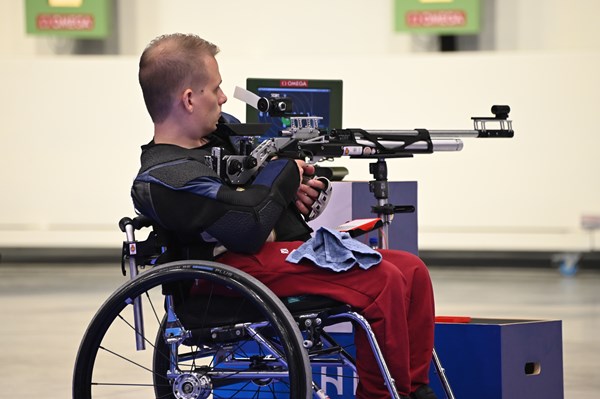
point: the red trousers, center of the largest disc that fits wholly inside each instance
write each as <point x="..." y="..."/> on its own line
<point x="396" y="297"/>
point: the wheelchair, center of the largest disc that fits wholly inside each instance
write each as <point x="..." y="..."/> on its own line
<point x="233" y="338"/>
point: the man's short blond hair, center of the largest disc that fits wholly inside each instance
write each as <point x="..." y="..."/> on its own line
<point x="167" y="64"/>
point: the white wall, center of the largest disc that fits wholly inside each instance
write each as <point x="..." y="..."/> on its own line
<point x="546" y="25"/>
<point x="72" y="126"/>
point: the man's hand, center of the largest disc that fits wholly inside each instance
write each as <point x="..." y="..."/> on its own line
<point x="309" y="188"/>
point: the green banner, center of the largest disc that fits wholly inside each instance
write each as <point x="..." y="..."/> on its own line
<point x="89" y="19"/>
<point x="448" y="17"/>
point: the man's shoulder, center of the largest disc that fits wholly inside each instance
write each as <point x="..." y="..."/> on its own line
<point x="156" y="154"/>
<point x="174" y="166"/>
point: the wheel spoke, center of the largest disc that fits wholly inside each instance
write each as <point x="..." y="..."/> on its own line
<point x="126" y="359"/>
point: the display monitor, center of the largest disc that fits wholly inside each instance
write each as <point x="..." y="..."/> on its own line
<point x="310" y="97"/>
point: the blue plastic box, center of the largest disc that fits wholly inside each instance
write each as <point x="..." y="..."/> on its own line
<point x="501" y="359"/>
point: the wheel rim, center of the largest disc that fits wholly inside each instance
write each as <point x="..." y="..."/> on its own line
<point x="108" y="363"/>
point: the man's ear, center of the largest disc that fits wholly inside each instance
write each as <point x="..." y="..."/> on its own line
<point x="186" y="100"/>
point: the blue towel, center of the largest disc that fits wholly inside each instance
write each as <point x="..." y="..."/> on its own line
<point x="335" y="250"/>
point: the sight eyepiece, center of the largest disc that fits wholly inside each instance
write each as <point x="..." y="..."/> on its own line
<point x="500" y="111"/>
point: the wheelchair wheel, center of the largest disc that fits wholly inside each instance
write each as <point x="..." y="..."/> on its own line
<point x="232" y="338"/>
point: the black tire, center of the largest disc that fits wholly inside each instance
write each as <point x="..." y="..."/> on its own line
<point x="108" y="364"/>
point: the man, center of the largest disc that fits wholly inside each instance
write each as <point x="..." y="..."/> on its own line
<point x="256" y="228"/>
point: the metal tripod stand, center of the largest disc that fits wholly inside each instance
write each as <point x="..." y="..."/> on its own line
<point x="385" y="211"/>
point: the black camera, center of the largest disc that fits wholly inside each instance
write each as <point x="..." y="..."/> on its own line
<point x="275" y="106"/>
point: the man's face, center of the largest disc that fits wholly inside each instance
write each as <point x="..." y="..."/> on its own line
<point x="209" y="99"/>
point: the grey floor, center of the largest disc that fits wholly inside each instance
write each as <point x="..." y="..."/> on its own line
<point x="44" y="311"/>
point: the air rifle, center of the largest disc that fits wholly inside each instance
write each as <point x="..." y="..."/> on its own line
<point x="305" y="140"/>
